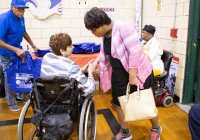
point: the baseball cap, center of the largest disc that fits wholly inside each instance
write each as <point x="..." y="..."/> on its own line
<point x="19" y="3"/>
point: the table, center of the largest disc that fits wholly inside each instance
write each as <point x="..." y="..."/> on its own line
<point x="79" y="59"/>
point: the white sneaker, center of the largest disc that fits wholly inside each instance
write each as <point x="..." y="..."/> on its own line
<point x="14" y="107"/>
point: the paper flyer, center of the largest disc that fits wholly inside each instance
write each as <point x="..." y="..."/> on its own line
<point x="171" y="80"/>
<point x="159" y="6"/>
<point x="110" y="11"/>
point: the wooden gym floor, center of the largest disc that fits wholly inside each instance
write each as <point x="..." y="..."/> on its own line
<point x="173" y="120"/>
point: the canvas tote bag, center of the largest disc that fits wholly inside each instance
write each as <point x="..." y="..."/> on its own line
<point x="138" y="106"/>
<point x="18" y="73"/>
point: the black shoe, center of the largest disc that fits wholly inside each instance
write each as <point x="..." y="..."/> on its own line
<point x="24" y="100"/>
<point x="112" y="102"/>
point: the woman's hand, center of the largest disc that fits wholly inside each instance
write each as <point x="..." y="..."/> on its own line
<point x="133" y="80"/>
<point x="90" y="70"/>
<point x="132" y="77"/>
<point x="84" y="69"/>
<point x="95" y="63"/>
<point x="91" y="61"/>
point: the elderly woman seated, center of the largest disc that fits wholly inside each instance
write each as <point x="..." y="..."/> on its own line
<point x="57" y="64"/>
<point x="152" y="49"/>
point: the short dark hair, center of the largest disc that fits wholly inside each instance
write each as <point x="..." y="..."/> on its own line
<point x="96" y="18"/>
<point x="59" y="41"/>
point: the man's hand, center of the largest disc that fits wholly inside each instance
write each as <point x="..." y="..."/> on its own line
<point x="20" y="52"/>
<point x="35" y="49"/>
<point x="84" y="68"/>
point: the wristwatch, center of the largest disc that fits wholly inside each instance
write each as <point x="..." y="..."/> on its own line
<point x="33" y="46"/>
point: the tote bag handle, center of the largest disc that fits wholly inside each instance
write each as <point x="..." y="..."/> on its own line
<point x="128" y="91"/>
<point x="28" y="59"/>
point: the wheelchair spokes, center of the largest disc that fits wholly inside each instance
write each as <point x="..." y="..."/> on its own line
<point x="26" y="130"/>
<point x="29" y="132"/>
<point x="87" y="127"/>
<point x="83" y="109"/>
<point x="88" y="120"/>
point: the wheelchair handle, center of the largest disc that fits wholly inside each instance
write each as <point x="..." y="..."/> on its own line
<point x="72" y="82"/>
<point x="29" y="79"/>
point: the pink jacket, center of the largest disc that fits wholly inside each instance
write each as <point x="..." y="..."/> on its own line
<point x="126" y="47"/>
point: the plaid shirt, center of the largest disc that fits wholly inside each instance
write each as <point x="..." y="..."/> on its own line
<point x="53" y="65"/>
<point x="126" y="47"/>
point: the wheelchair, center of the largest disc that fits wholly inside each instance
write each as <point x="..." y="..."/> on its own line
<point x="162" y="93"/>
<point x="46" y="93"/>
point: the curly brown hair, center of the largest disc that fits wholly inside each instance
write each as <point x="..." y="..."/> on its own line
<point x="59" y="41"/>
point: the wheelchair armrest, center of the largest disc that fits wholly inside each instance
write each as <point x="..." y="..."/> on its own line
<point x="160" y="77"/>
<point x="72" y="82"/>
<point x="29" y="79"/>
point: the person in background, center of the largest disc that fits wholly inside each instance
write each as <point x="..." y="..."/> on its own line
<point x="173" y="82"/>
<point x="194" y="121"/>
<point x="57" y="64"/>
<point x="152" y="49"/>
<point x="12" y="32"/>
<point x="122" y="61"/>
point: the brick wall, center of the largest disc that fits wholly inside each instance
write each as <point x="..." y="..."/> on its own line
<point x="71" y="20"/>
<point x="164" y="22"/>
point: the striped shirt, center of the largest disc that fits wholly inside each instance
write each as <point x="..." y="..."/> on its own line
<point x="53" y="65"/>
<point x="126" y="47"/>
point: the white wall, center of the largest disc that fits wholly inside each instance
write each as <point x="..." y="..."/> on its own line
<point x="164" y="22"/>
<point x="71" y="20"/>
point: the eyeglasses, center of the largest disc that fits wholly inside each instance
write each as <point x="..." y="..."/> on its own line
<point x="21" y="9"/>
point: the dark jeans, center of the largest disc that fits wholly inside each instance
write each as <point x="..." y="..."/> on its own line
<point x="194" y="121"/>
<point x="5" y="62"/>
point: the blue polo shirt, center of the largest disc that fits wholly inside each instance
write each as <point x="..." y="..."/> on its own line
<point x="11" y="31"/>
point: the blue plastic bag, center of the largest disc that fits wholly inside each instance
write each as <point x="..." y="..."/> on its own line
<point x="84" y="48"/>
<point x="19" y="72"/>
<point x="41" y="53"/>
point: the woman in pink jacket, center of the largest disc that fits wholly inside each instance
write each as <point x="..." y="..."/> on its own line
<point x="122" y="61"/>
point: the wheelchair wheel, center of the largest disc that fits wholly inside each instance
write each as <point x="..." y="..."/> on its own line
<point x="88" y="120"/>
<point x="167" y="102"/>
<point x="26" y="130"/>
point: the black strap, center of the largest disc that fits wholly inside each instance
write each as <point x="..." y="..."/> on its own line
<point x="72" y="95"/>
<point x="65" y="89"/>
<point x="76" y="95"/>
<point x="39" y="97"/>
<point x="36" y="94"/>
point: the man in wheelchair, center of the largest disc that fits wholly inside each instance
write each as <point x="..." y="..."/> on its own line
<point x="57" y="63"/>
<point x="61" y="95"/>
